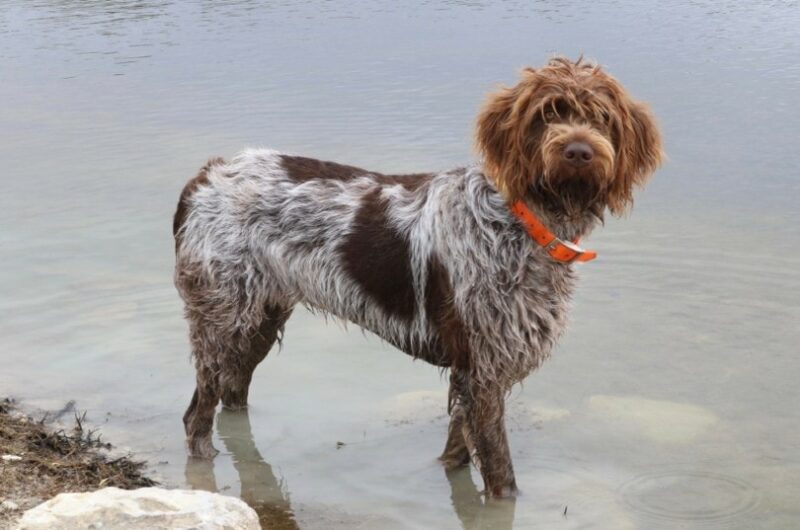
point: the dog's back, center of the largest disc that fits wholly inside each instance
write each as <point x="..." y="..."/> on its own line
<point x="271" y="230"/>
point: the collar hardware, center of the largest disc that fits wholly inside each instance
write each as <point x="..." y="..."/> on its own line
<point x="559" y="250"/>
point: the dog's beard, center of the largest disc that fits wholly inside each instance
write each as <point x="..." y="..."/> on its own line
<point x="570" y="196"/>
<point x="569" y="191"/>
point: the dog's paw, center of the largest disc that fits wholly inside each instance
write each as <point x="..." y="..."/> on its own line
<point x="201" y="448"/>
<point x="503" y="492"/>
<point x="234" y="407"/>
<point x="450" y="462"/>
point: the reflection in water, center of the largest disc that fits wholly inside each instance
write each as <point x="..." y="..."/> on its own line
<point x="260" y="488"/>
<point x="472" y="510"/>
<point x="268" y="496"/>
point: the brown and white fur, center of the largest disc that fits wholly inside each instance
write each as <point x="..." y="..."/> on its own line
<point x="434" y="264"/>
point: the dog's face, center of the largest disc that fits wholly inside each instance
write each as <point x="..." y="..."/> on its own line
<point x="570" y="132"/>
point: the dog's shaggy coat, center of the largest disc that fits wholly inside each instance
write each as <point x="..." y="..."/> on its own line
<point x="435" y="264"/>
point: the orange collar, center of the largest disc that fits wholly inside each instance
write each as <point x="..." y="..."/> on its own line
<point x="559" y="250"/>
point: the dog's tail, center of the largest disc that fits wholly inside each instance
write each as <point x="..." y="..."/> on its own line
<point x="184" y="203"/>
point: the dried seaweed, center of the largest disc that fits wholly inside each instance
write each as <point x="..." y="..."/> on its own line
<point x="53" y="461"/>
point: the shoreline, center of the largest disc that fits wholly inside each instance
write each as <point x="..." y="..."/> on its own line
<point x="39" y="460"/>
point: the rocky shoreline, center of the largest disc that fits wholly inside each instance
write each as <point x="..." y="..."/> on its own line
<point x="51" y="477"/>
<point x="39" y="461"/>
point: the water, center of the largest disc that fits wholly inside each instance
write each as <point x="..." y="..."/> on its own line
<point x="670" y="403"/>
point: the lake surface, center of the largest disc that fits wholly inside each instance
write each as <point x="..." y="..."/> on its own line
<point x="672" y="401"/>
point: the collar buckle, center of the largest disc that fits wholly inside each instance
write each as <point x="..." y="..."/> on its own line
<point x="575" y="252"/>
<point x="560" y="250"/>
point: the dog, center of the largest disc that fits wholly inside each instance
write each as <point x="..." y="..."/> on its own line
<point x="470" y="270"/>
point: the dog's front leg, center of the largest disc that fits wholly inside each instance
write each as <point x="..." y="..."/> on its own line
<point x="485" y="436"/>
<point x="455" y="452"/>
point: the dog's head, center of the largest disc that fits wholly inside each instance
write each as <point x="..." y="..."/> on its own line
<point x="568" y="132"/>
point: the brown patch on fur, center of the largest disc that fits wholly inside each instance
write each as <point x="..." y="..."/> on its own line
<point x="188" y="190"/>
<point x="429" y="351"/>
<point x="302" y="169"/>
<point x="448" y="347"/>
<point x="378" y="258"/>
<point x="442" y="313"/>
<point x="522" y="130"/>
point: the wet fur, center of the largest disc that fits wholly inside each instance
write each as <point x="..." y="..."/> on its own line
<point x="435" y="264"/>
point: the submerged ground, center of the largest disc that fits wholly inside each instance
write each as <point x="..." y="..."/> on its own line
<point x="672" y="400"/>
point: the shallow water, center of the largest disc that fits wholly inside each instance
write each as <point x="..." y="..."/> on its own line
<point x="670" y="403"/>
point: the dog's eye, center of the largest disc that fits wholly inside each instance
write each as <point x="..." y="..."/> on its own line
<point x="606" y="117"/>
<point x="549" y="115"/>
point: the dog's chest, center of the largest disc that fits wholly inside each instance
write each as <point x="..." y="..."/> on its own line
<point x="518" y="313"/>
<point x="543" y="301"/>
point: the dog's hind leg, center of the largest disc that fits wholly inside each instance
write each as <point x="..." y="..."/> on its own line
<point x="199" y="417"/>
<point x="213" y="345"/>
<point x="238" y="372"/>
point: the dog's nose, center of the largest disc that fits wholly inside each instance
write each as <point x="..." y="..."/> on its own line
<point x="578" y="153"/>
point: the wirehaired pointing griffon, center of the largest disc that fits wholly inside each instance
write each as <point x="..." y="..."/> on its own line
<point x="469" y="269"/>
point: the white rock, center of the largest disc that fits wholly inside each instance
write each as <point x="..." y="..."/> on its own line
<point x="537" y="413"/>
<point x="414" y="407"/>
<point x="8" y="506"/>
<point x="11" y="458"/>
<point x="142" y="509"/>
<point x="661" y="421"/>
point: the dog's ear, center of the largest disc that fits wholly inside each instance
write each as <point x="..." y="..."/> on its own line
<point x="639" y="155"/>
<point x="500" y="136"/>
